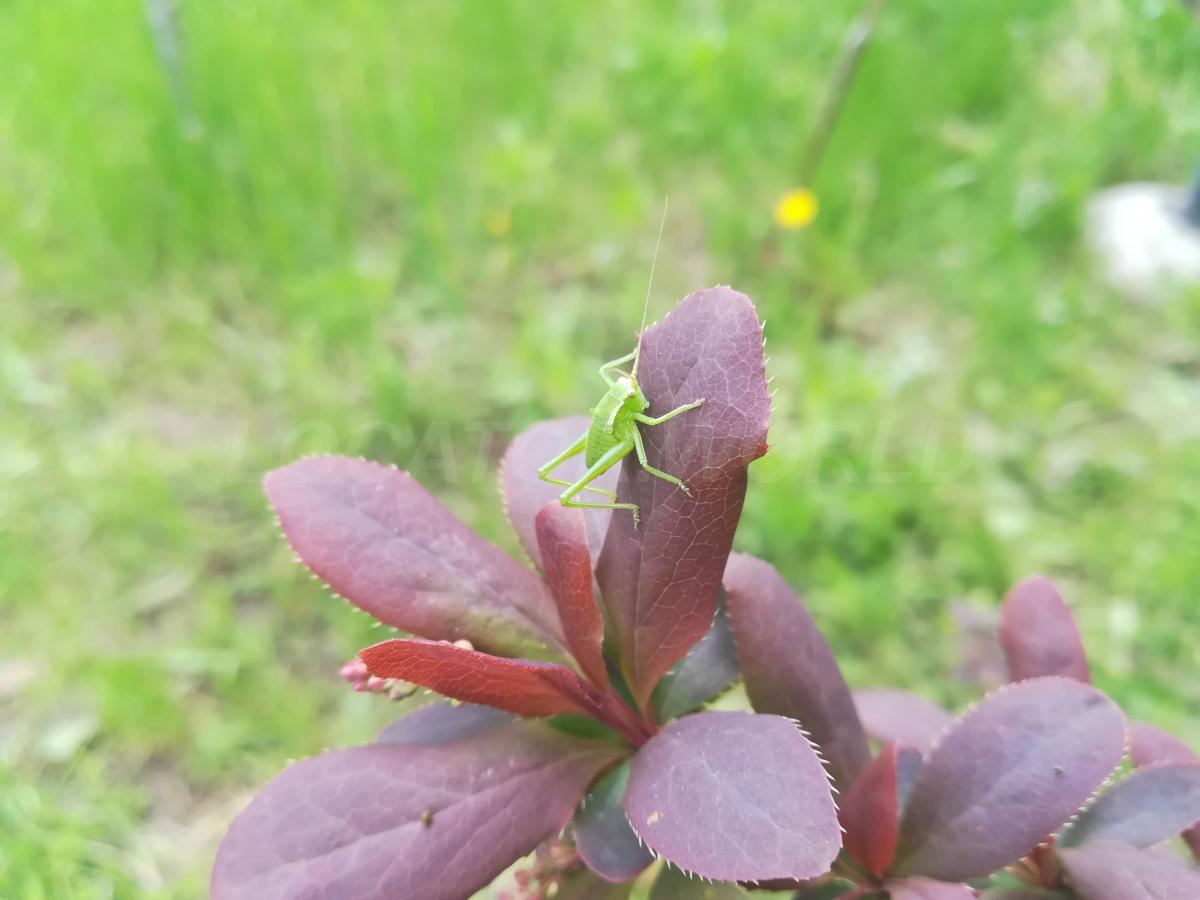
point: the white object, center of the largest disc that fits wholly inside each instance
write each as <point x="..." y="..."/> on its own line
<point x="1143" y="240"/>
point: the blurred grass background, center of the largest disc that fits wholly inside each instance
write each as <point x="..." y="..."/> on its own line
<point x="407" y="230"/>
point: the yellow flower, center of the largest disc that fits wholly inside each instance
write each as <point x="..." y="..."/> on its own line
<point x="796" y="209"/>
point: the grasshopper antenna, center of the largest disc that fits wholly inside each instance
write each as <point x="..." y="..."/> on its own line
<point x="637" y="351"/>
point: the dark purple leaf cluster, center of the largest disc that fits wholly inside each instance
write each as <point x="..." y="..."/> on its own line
<point x="638" y="629"/>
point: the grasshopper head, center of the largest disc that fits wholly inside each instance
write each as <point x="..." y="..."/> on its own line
<point x="626" y="387"/>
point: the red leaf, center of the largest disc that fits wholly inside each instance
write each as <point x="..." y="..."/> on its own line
<point x="564" y="551"/>
<point x="870" y="810"/>
<point x="659" y="580"/>
<point x="1107" y="870"/>
<point x="789" y="668"/>
<point x="889" y="714"/>
<point x="734" y="796"/>
<point x="525" y="493"/>
<point x="1006" y="775"/>
<point x="1039" y="635"/>
<point x="385" y="544"/>
<point x="514" y="685"/>
<point x="387" y="820"/>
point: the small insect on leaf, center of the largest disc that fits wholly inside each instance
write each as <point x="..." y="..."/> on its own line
<point x="613" y="431"/>
<point x="659" y="583"/>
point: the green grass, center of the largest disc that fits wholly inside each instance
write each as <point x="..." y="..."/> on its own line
<point x="408" y="230"/>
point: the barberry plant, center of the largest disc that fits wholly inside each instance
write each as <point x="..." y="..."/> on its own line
<point x="1118" y="846"/>
<point x="634" y="627"/>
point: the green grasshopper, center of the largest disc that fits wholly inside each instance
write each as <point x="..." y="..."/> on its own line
<point x="613" y="433"/>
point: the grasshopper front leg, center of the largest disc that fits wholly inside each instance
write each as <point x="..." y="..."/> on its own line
<point x="613" y="364"/>
<point x="658" y="420"/>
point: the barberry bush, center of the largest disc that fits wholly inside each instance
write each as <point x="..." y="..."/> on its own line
<point x="576" y="726"/>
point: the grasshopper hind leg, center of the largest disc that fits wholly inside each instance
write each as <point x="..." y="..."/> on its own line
<point x="577" y="446"/>
<point x="610" y="458"/>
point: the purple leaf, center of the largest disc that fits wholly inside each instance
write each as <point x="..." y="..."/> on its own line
<point x="1108" y="870"/>
<point x="788" y="666"/>
<point x="659" y="580"/>
<point x="1006" y="775"/>
<point x="568" y="568"/>
<point x="389" y="820"/>
<point x="525" y="493"/>
<point x="385" y="544"/>
<point x="1038" y="633"/>
<point x="603" y="835"/>
<point x="709" y="667"/>
<point x="889" y="714"/>
<point x="515" y="685"/>
<point x="442" y="723"/>
<point x="1151" y="805"/>
<point x="870" y="810"/>
<point x="734" y="797"/>
<point x="1149" y="744"/>
<point x="672" y="884"/>
<point x="1026" y="892"/>
<point x="927" y="889"/>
